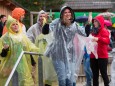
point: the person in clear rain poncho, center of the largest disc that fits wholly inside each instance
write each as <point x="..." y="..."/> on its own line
<point x="67" y="46"/>
<point x="34" y="33"/>
<point x="36" y="29"/>
<point x="12" y="44"/>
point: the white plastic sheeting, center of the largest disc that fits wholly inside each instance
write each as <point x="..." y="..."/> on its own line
<point x="68" y="47"/>
<point x="112" y="83"/>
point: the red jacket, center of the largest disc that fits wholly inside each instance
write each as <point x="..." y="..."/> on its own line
<point x="103" y="39"/>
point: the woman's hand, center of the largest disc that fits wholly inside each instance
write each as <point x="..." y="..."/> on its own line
<point x="94" y="39"/>
<point x="6" y="46"/>
<point x="90" y="18"/>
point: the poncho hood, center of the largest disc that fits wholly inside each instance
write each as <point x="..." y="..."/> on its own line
<point x="17" y="13"/>
<point x="100" y="19"/>
<point x="41" y="12"/>
<point x="9" y="22"/>
<point x="62" y="11"/>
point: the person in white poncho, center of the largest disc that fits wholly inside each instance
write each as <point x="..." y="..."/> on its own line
<point x="36" y="29"/>
<point x="67" y="46"/>
<point x="34" y="33"/>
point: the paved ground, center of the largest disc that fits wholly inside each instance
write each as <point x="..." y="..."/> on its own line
<point x="80" y="84"/>
<point x="83" y="84"/>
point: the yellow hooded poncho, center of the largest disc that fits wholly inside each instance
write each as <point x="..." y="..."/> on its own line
<point x="16" y="14"/>
<point x="17" y="42"/>
<point x="49" y="74"/>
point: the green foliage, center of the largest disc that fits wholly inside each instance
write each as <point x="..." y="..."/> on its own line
<point x="36" y="5"/>
<point x="50" y="4"/>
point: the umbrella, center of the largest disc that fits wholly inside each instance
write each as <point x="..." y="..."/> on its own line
<point x="81" y="19"/>
<point x="107" y="14"/>
<point x="111" y="27"/>
<point x="108" y="24"/>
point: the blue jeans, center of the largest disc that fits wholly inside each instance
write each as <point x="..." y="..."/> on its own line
<point x="61" y="71"/>
<point x="111" y="43"/>
<point x="87" y="69"/>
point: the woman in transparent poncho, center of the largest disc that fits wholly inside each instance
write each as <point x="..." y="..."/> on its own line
<point x="12" y="44"/>
<point x="67" y="46"/>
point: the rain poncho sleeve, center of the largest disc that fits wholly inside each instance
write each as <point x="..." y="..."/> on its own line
<point x="80" y="30"/>
<point x="33" y="32"/>
<point x="24" y="29"/>
<point x="68" y="47"/>
<point x="1" y="45"/>
<point x="112" y="83"/>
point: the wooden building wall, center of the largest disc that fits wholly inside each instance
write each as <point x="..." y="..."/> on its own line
<point x="4" y="10"/>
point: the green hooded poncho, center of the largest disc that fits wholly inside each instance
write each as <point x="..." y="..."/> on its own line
<point x="17" y="42"/>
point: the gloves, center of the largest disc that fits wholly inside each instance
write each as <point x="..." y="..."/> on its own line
<point x="45" y="29"/>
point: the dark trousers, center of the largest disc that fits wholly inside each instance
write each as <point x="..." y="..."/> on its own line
<point x="99" y="65"/>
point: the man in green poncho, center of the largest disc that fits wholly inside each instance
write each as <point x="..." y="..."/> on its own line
<point x="12" y="44"/>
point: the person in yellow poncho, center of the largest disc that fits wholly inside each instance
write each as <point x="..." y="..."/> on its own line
<point x="12" y="44"/>
<point x="49" y="74"/>
<point x="18" y="14"/>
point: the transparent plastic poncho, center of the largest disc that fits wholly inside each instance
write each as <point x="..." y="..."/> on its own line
<point x="112" y="83"/>
<point x="68" y="46"/>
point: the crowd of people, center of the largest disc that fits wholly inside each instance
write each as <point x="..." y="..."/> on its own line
<point x="63" y="43"/>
